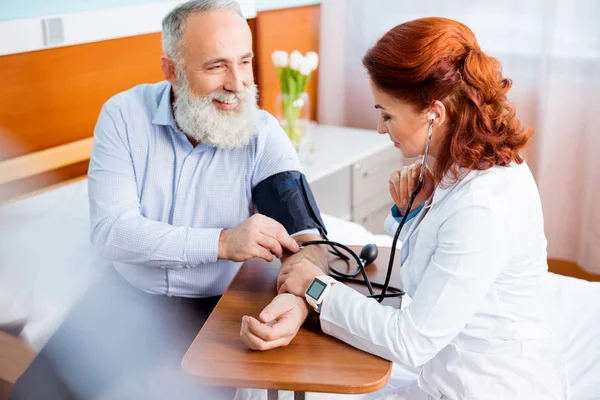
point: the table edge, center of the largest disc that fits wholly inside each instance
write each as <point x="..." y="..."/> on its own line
<point x="281" y="385"/>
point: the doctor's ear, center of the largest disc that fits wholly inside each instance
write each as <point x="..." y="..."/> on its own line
<point x="437" y="113"/>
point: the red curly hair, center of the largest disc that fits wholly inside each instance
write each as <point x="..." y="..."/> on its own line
<point x="431" y="59"/>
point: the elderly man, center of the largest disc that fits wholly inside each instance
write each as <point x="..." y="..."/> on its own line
<point x="178" y="172"/>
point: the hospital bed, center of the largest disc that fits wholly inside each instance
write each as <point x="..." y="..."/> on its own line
<point x="47" y="263"/>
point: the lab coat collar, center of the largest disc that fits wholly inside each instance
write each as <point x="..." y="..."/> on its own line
<point x="443" y="189"/>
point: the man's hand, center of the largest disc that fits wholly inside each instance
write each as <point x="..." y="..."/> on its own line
<point x="279" y="322"/>
<point x="256" y="237"/>
<point x="277" y="325"/>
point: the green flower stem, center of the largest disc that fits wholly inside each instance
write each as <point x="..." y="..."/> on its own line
<point x="293" y="84"/>
<point x="291" y="114"/>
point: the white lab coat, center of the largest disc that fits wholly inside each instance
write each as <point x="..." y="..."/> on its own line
<point x="473" y="262"/>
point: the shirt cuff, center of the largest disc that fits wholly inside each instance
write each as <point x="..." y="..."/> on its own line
<point x="201" y="246"/>
<point x="307" y="232"/>
<point x="398" y="215"/>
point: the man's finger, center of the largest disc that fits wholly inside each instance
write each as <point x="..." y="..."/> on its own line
<point x="271" y="244"/>
<point x="257" y="343"/>
<point x="270" y="227"/>
<point x="275" y="230"/>
<point x="261" y="252"/>
<point x="251" y="340"/>
<point x="275" y="309"/>
<point x="287" y="241"/>
<point x="278" y="330"/>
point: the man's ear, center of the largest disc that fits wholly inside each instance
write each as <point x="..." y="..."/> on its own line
<point x="168" y="68"/>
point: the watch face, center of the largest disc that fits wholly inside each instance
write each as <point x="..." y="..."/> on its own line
<point x="316" y="289"/>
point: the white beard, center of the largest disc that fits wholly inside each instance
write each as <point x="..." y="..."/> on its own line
<point x="200" y="119"/>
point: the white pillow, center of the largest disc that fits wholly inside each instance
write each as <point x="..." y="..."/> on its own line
<point x="352" y="234"/>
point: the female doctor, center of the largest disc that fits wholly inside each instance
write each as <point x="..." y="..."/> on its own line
<point x="473" y="253"/>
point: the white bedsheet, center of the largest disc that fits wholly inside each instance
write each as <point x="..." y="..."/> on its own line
<point x="575" y="322"/>
<point x="46" y="259"/>
<point x="47" y="263"/>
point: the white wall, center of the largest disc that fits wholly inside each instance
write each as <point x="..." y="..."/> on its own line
<point x="43" y="31"/>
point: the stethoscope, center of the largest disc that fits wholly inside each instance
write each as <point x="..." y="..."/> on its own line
<point x="369" y="252"/>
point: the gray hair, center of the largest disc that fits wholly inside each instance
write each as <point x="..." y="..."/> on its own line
<point x="173" y="25"/>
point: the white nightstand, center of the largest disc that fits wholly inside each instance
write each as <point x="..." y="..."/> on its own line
<point x="349" y="174"/>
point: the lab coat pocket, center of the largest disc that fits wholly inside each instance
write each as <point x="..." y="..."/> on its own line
<point x="441" y="376"/>
<point x="460" y="374"/>
<point x="503" y="370"/>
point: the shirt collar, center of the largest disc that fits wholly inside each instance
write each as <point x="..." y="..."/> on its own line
<point x="163" y="115"/>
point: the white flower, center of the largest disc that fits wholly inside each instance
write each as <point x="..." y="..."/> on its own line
<point x="295" y="60"/>
<point x="305" y="67"/>
<point x="314" y="59"/>
<point x="280" y="59"/>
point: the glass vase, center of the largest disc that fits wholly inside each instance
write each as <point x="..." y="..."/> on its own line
<point x="293" y="113"/>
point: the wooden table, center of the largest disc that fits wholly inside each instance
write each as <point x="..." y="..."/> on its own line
<point x="313" y="362"/>
<point x="15" y="357"/>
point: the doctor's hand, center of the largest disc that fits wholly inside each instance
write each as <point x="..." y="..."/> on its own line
<point x="296" y="278"/>
<point x="404" y="181"/>
<point x="257" y="237"/>
<point x="277" y="325"/>
<point x="316" y="254"/>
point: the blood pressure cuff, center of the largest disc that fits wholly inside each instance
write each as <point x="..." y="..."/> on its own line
<point x="286" y="197"/>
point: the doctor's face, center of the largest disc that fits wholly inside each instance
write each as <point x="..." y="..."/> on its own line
<point x="405" y="126"/>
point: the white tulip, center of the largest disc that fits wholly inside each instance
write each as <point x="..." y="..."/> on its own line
<point x="305" y="67"/>
<point x="314" y="59"/>
<point x="295" y="60"/>
<point x="280" y="59"/>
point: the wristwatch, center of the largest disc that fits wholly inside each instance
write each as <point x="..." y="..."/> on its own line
<point x="317" y="290"/>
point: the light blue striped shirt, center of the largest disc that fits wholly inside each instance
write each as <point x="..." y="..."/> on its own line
<point x="158" y="204"/>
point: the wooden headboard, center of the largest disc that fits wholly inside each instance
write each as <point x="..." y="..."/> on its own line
<point x="50" y="99"/>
